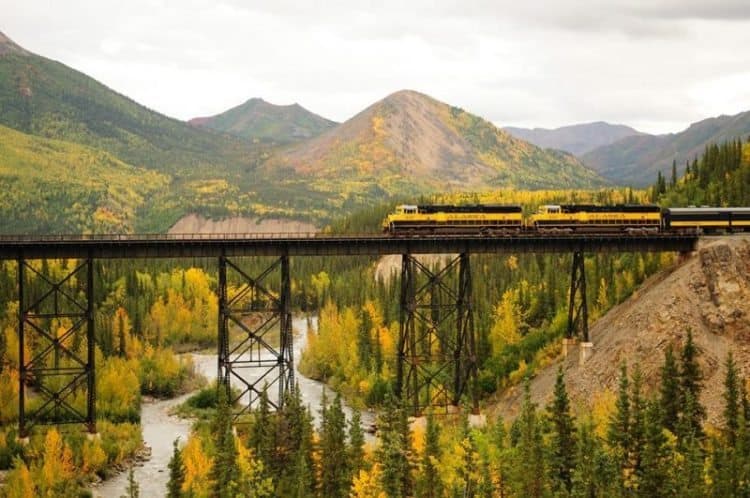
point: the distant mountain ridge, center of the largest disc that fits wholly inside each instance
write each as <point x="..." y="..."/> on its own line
<point x="636" y="160"/>
<point x="257" y="119"/>
<point x="577" y="139"/>
<point x="412" y="143"/>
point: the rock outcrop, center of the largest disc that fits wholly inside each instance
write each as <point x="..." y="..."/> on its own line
<point x="708" y="293"/>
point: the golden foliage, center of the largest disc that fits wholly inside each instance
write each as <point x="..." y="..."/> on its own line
<point x="19" y="483"/>
<point x="57" y="467"/>
<point x="366" y="484"/>
<point x="507" y="327"/>
<point x="9" y="384"/>
<point x="197" y="468"/>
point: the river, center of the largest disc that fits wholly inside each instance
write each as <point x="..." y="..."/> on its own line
<point x="160" y="428"/>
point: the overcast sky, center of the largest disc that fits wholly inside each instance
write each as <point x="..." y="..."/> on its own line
<point x="657" y="65"/>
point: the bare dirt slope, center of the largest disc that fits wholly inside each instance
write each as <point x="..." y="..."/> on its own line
<point x="709" y="294"/>
<point x="194" y="223"/>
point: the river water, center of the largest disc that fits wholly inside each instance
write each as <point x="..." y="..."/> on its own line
<point x="160" y="428"/>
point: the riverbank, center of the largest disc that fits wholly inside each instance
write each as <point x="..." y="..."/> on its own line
<point x="160" y="428"/>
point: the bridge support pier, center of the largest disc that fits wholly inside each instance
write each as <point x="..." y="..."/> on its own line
<point x="578" y="311"/>
<point x="436" y="362"/>
<point x="56" y="321"/>
<point x="258" y="361"/>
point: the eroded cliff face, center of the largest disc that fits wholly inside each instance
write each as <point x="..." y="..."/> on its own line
<point x="708" y="293"/>
<point x="195" y="223"/>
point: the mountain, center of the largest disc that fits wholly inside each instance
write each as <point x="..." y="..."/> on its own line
<point x="411" y="144"/>
<point x="405" y="145"/>
<point x="257" y="119"/>
<point x="636" y="160"/>
<point x="207" y="169"/>
<point x="576" y="139"/>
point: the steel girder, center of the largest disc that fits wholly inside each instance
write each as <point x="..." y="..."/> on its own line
<point x="436" y="363"/>
<point x="56" y="347"/>
<point x="257" y="361"/>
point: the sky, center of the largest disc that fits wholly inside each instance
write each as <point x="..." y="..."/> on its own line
<point x="656" y="65"/>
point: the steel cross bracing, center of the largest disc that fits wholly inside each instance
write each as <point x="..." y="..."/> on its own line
<point x="436" y="362"/>
<point x="259" y="356"/>
<point x="56" y="321"/>
<point x="436" y="346"/>
<point x="578" y="310"/>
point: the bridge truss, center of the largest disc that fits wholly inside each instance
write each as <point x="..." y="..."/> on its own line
<point x="259" y="310"/>
<point x="436" y="363"/>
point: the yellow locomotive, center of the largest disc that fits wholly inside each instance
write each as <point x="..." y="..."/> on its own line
<point x="488" y="219"/>
<point x="466" y="219"/>
<point x="593" y="218"/>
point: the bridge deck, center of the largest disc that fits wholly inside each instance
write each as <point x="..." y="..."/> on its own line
<point x="215" y="245"/>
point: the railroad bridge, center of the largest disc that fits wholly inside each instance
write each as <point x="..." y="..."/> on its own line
<point x="434" y="311"/>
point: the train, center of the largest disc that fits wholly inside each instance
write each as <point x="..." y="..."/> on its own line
<point x="497" y="219"/>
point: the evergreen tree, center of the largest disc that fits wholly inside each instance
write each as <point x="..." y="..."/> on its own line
<point x="670" y="396"/>
<point x="294" y="446"/>
<point x="335" y="476"/>
<point x="467" y="471"/>
<point x="391" y="453"/>
<point x="731" y="401"/>
<point x="618" y="433"/>
<point x="563" y="446"/>
<point x="225" y="470"/>
<point x="499" y="437"/>
<point x="176" y="472"/>
<point x="529" y="472"/>
<point x="356" y="451"/>
<point x="691" y="383"/>
<point x="594" y="475"/>
<point x="653" y="473"/>
<point x="673" y="179"/>
<point x="429" y="484"/>
<point x="262" y="438"/>
<point x="689" y="480"/>
<point x="637" y="422"/>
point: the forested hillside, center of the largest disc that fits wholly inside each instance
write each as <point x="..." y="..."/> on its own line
<point x="51" y="186"/>
<point x="636" y="160"/>
<point x="720" y="177"/>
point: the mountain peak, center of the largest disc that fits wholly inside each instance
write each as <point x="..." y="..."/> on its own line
<point x="409" y="141"/>
<point x="8" y="46"/>
<point x="257" y="119"/>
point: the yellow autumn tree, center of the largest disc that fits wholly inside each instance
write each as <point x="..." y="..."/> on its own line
<point x="19" y="483"/>
<point x="57" y="464"/>
<point x="93" y="457"/>
<point x="508" y="319"/>
<point x="366" y="484"/>
<point x="197" y="468"/>
<point x="251" y="473"/>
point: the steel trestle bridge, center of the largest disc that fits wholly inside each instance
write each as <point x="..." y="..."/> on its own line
<point x="436" y="351"/>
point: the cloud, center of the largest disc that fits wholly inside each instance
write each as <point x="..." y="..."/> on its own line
<point x="659" y="63"/>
